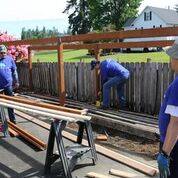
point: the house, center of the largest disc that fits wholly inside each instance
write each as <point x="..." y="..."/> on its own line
<point x="152" y="17"/>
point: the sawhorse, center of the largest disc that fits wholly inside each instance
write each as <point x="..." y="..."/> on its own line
<point x="69" y="156"/>
<point x="3" y="122"/>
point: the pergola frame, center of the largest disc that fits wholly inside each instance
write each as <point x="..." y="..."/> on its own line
<point x="60" y="45"/>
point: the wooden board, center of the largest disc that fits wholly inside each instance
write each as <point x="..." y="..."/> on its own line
<point x="96" y="175"/>
<point x="29" y="137"/>
<point x="122" y="174"/>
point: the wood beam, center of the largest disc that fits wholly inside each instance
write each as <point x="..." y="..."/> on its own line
<point x="30" y="69"/>
<point x="52" y="112"/>
<point x="61" y="81"/>
<point x="97" y="57"/>
<point x="96" y="175"/>
<point x="143" y="33"/>
<point x="145" y="44"/>
<point x="122" y="174"/>
<point x="29" y="137"/>
<point x="44" y="105"/>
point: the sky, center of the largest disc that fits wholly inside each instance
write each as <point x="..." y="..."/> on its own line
<point x="48" y="13"/>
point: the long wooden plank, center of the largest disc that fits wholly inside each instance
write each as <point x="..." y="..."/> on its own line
<point x="145" y="44"/>
<point x="13" y="132"/>
<point x="70" y="116"/>
<point x="96" y="175"/>
<point x="42" y="104"/>
<point x="155" y="32"/>
<point x="29" y="137"/>
<point x="122" y="174"/>
<point x="21" y="108"/>
<point x="146" y="169"/>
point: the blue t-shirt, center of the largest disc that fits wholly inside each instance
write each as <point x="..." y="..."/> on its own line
<point x="7" y="69"/>
<point x="110" y="68"/>
<point x="170" y="98"/>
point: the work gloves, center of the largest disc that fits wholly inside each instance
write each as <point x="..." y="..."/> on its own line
<point x="163" y="165"/>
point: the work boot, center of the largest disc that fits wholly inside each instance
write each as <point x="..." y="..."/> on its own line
<point x="103" y="107"/>
<point x="13" y="121"/>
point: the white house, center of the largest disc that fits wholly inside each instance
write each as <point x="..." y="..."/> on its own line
<point x="152" y="17"/>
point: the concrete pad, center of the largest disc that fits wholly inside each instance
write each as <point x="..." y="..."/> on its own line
<point x="18" y="159"/>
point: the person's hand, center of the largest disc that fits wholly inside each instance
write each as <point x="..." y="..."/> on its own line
<point x="163" y="165"/>
<point x="99" y="93"/>
<point x="16" y="85"/>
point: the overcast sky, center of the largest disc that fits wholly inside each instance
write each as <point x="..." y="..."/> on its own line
<point x="48" y="13"/>
<point x="12" y="10"/>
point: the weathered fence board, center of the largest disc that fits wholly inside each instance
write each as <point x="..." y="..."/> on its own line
<point x="144" y="90"/>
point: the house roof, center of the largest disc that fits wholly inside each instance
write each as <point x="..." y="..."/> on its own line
<point x="168" y="15"/>
<point x="129" y="22"/>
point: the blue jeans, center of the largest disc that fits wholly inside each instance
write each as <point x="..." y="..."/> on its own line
<point x="9" y="91"/>
<point x="119" y="82"/>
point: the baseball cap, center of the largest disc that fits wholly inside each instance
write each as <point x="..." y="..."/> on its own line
<point x="173" y="50"/>
<point x="93" y="63"/>
<point x="3" y="49"/>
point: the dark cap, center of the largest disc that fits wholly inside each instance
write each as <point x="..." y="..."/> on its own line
<point x="93" y="63"/>
<point x="173" y="50"/>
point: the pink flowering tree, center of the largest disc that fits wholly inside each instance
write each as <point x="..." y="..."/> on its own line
<point x="17" y="52"/>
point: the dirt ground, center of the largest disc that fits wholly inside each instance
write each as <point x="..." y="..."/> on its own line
<point x="119" y="141"/>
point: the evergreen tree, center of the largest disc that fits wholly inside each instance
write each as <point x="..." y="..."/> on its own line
<point x="99" y="14"/>
<point x="176" y="7"/>
<point x="79" y="19"/>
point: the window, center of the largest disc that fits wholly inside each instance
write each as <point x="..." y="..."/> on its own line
<point x="147" y="16"/>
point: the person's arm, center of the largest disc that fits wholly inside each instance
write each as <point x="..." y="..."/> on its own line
<point x="171" y="135"/>
<point x="15" y="74"/>
<point x="104" y="76"/>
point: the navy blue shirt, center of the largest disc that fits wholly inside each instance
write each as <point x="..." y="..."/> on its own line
<point x="7" y="70"/>
<point x="170" y="98"/>
<point x="111" y="68"/>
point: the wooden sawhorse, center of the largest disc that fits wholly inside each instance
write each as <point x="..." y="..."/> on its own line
<point x="3" y="122"/>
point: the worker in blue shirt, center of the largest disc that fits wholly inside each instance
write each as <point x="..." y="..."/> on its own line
<point x="112" y="74"/>
<point x="8" y="77"/>
<point x="168" y="124"/>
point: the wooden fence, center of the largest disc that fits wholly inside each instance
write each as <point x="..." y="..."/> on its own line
<point x="144" y="90"/>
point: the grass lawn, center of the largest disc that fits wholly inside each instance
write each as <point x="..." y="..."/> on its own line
<point x="77" y="55"/>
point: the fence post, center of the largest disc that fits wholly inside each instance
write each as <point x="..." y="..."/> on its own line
<point x="148" y="59"/>
<point x="61" y="84"/>
<point x="97" y="57"/>
<point x="30" y="68"/>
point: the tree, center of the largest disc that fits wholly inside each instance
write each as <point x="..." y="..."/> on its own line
<point x="176" y="7"/>
<point x="79" y="19"/>
<point x="116" y="12"/>
<point x="100" y="14"/>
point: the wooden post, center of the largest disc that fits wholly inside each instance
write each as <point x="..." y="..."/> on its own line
<point x="148" y="59"/>
<point x="61" y="82"/>
<point x="97" y="57"/>
<point x="30" y="68"/>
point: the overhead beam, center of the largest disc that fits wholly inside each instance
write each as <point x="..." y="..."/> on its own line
<point x="145" y="44"/>
<point x="143" y="33"/>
